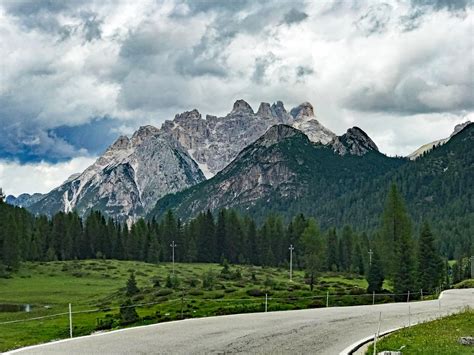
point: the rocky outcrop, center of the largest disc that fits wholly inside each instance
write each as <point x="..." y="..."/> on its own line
<point x="355" y="142"/>
<point x="127" y="180"/>
<point x="214" y="142"/>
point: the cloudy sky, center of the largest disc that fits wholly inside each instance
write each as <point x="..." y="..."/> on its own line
<point x="76" y="74"/>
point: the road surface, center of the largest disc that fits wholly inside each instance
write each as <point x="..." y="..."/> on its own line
<point x="312" y="331"/>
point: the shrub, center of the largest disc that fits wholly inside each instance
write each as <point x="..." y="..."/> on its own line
<point x="163" y="292"/>
<point x="195" y="292"/>
<point x="465" y="284"/>
<point x="172" y="281"/>
<point x="208" y="280"/>
<point x="132" y="288"/>
<point x="155" y="282"/>
<point x="255" y="292"/>
<point x="128" y="314"/>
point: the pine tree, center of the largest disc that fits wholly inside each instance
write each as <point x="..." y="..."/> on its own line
<point x="128" y="314"/>
<point x="331" y="250"/>
<point x="430" y="264"/>
<point x="132" y="288"/>
<point x="396" y="230"/>
<point x="375" y="277"/>
<point x="313" y="251"/>
<point x="11" y="248"/>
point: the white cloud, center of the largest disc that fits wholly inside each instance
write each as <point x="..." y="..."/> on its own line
<point x="16" y="178"/>
<point x="403" y="73"/>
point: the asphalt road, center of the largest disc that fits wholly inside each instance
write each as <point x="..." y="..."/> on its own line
<point x="313" y="331"/>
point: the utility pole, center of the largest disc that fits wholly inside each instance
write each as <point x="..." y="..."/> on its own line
<point x="173" y="245"/>
<point x="291" y="261"/>
<point x="70" y="320"/>
<point x="370" y="256"/>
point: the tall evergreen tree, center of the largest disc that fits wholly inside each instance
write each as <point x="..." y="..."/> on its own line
<point x="430" y="264"/>
<point x="395" y="231"/>
<point x="375" y="276"/>
<point x="313" y="251"/>
<point x="331" y="250"/>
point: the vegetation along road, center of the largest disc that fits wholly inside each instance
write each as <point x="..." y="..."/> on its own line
<point x="317" y="331"/>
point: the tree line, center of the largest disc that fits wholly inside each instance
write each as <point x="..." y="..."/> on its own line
<point x="393" y="252"/>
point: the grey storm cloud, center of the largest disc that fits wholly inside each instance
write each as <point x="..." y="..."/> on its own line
<point x="261" y="66"/>
<point x="43" y="15"/>
<point x="451" y="5"/>
<point x="413" y="95"/>
<point x="294" y="16"/>
<point x="66" y="63"/>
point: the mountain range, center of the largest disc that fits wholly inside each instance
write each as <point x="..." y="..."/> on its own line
<point x="266" y="161"/>
<point x="134" y="173"/>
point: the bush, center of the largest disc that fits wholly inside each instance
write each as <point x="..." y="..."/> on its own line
<point x="269" y="282"/>
<point x="465" y="284"/>
<point x="163" y="292"/>
<point x="155" y="282"/>
<point x="208" y="280"/>
<point x="195" y="292"/>
<point x="172" y="281"/>
<point x="193" y="282"/>
<point x="128" y="314"/>
<point x="255" y="292"/>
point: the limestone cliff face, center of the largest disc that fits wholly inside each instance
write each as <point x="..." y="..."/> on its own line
<point x="133" y="173"/>
<point x="127" y="180"/>
<point x="214" y="142"/>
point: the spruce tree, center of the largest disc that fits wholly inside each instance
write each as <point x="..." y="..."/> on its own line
<point x="430" y="264"/>
<point x="331" y="250"/>
<point x="375" y="276"/>
<point x="11" y="248"/>
<point x="132" y="288"/>
<point x="396" y="230"/>
<point x="313" y="251"/>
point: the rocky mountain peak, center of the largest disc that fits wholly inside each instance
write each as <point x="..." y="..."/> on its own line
<point x="241" y="106"/>
<point x="143" y="133"/>
<point x="277" y="133"/>
<point x="303" y="110"/>
<point x="122" y="142"/>
<point x="265" y="110"/>
<point x="459" y="127"/>
<point x="187" y="115"/>
<point x="355" y="141"/>
<point x="279" y="111"/>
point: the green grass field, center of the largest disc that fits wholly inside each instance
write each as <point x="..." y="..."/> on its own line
<point x="99" y="285"/>
<point x="435" y="337"/>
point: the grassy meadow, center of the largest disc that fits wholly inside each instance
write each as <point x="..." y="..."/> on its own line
<point x="436" y="337"/>
<point x="201" y="290"/>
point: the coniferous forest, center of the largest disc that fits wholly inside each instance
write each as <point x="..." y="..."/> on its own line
<point x="393" y="251"/>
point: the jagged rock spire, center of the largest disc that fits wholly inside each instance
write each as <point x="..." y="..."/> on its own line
<point x="303" y="110"/>
<point x="241" y="106"/>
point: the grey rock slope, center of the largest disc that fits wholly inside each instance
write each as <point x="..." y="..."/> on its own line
<point x="214" y="142"/>
<point x="280" y="169"/>
<point x="355" y="142"/>
<point x="127" y="180"/>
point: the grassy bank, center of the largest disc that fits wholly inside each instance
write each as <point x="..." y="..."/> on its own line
<point x="435" y="337"/>
<point x="201" y="290"/>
